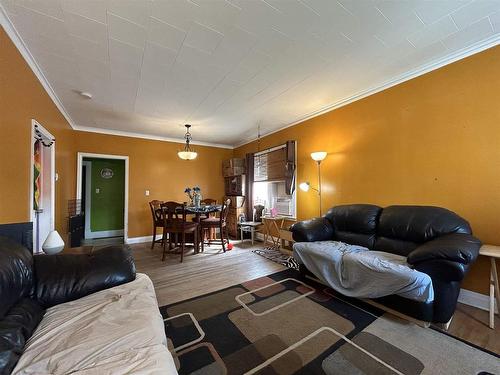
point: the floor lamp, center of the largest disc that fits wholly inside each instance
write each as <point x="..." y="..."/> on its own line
<point x="318" y="157"/>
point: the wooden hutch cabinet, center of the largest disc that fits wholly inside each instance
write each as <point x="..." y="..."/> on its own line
<point x="233" y="171"/>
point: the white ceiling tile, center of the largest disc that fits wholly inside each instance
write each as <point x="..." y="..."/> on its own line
<point x="48" y="7"/>
<point x="235" y="46"/>
<point x="178" y="13"/>
<point x="257" y="16"/>
<point x="333" y="17"/>
<point x="273" y="42"/>
<point x="148" y="100"/>
<point x="223" y="92"/>
<point x="294" y="18"/>
<point x="431" y="11"/>
<point x="403" y="20"/>
<point x="93" y="70"/>
<point x="495" y="21"/>
<point x="434" y="32"/>
<point x="125" y="53"/>
<point x="11" y="6"/>
<point x="473" y="33"/>
<point x="166" y="35"/>
<point x="33" y="24"/>
<point x="368" y="15"/>
<point x="474" y="12"/>
<point x="94" y="9"/>
<point x="137" y="11"/>
<point x="126" y="31"/>
<point x="156" y="65"/>
<point x="217" y="14"/>
<point x="158" y="54"/>
<point x="203" y="37"/>
<point x="90" y="49"/>
<point x="86" y="28"/>
<point x="40" y="44"/>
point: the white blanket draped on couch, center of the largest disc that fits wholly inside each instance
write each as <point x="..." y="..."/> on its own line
<point x="356" y="271"/>
<point x="115" y="331"/>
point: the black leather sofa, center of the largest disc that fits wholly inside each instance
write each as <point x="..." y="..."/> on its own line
<point x="30" y="284"/>
<point x="435" y="241"/>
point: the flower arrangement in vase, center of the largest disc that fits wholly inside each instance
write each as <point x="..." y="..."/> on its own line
<point x="194" y="195"/>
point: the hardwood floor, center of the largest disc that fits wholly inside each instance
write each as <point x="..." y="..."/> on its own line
<point x="213" y="270"/>
<point x="200" y="273"/>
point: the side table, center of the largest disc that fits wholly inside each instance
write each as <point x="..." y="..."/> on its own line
<point x="493" y="252"/>
<point x="249" y="226"/>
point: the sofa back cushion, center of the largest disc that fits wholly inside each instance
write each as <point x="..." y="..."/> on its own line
<point x="402" y="228"/>
<point x="355" y="223"/>
<point x="65" y="277"/>
<point x="16" y="327"/>
<point x="16" y="274"/>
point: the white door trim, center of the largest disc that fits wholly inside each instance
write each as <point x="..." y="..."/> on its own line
<point x="49" y="137"/>
<point x="88" y="205"/>
<point x="79" y="163"/>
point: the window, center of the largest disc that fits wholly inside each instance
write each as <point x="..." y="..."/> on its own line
<point x="274" y="180"/>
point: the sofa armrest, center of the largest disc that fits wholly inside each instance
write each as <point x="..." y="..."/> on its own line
<point x="317" y="229"/>
<point x="458" y="247"/>
<point x="66" y="277"/>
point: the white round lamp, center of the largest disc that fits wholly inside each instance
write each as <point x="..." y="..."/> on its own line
<point x="53" y="244"/>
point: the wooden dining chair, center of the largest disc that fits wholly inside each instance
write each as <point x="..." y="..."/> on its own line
<point x="175" y="225"/>
<point x="213" y="222"/>
<point x="210" y="233"/>
<point x="157" y="220"/>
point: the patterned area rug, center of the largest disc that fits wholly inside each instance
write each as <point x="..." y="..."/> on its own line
<point x="281" y="325"/>
<point x="277" y="256"/>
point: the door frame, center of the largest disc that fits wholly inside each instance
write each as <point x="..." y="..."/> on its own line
<point x="79" y="164"/>
<point x="53" y="175"/>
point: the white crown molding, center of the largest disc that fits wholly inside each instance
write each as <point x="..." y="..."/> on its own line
<point x="123" y="133"/>
<point x="429" y="67"/>
<point x="30" y="60"/>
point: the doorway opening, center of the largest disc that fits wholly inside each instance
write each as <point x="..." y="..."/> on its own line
<point x="42" y="184"/>
<point x="102" y="188"/>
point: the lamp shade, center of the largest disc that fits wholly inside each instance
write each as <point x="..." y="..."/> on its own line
<point x="187" y="155"/>
<point x="53" y="243"/>
<point x="318" y="156"/>
<point x="305" y="186"/>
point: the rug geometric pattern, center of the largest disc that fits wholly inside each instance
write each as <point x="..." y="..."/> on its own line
<point x="280" y="324"/>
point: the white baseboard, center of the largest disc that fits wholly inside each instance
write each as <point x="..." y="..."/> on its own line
<point x="474" y="299"/>
<point x="104" y="234"/>
<point x="142" y="239"/>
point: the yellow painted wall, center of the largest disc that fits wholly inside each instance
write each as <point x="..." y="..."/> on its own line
<point x="434" y="140"/>
<point x="23" y="98"/>
<point x="154" y="165"/>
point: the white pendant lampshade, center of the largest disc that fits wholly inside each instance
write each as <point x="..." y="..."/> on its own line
<point x="53" y="244"/>
<point x="187" y="153"/>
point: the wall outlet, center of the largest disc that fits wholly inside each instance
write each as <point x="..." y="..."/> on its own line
<point x="146" y="193"/>
<point x="97" y="191"/>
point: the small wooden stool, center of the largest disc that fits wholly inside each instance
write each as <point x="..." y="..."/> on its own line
<point x="493" y="252"/>
<point x="249" y="226"/>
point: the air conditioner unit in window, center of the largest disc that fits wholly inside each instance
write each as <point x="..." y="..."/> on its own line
<point x="283" y="206"/>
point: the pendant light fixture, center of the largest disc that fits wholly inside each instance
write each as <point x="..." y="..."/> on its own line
<point x="187" y="153"/>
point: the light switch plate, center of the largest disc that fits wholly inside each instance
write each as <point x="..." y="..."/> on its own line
<point x="146" y="193"/>
<point x="97" y="190"/>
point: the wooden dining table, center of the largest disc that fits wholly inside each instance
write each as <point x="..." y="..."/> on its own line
<point x="200" y="210"/>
